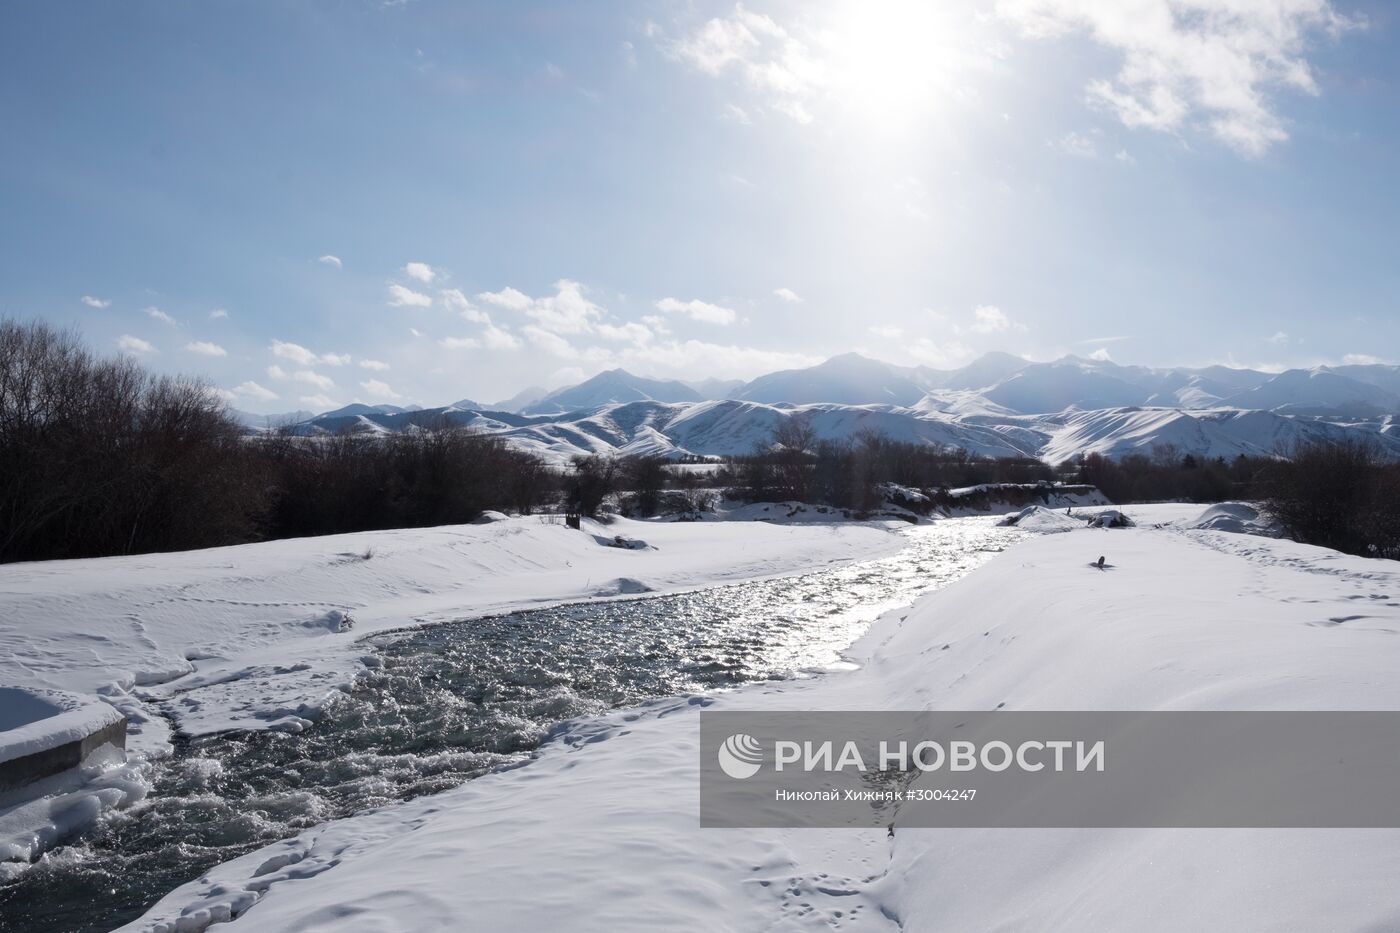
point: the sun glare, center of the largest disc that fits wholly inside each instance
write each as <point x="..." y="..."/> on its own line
<point x="894" y="60"/>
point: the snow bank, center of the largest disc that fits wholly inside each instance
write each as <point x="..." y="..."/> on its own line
<point x="1038" y="518"/>
<point x="44" y="720"/>
<point x="600" y="831"/>
<point x="991" y="497"/>
<point x="1236" y="517"/>
<point x="61" y="763"/>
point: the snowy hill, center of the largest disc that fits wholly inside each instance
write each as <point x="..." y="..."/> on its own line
<point x="614" y="385"/>
<point x="1319" y="392"/>
<point x="1214" y="433"/>
<point x="1066" y="383"/>
<point x="987" y="370"/>
<point x="357" y="409"/>
<point x="849" y="379"/>
<point x="1379" y="375"/>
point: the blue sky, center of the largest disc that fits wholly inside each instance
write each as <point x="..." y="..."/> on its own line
<point x="321" y="202"/>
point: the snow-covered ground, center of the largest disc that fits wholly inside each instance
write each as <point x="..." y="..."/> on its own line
<point x="600" y="831"/>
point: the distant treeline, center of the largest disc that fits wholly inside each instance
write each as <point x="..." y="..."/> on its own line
<point x="1165" y="474"/>
<point x="99" y="457"/>
<point x="853" y="474"/>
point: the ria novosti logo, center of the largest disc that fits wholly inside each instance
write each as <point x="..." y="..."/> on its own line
<point x="740" y="756"/>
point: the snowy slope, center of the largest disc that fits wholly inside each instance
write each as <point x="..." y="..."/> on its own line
<point x="987" y="370"/>
<point x="600" y="831"/>
<point x="1213" y="433"/>
<point x="1318" y="391"/>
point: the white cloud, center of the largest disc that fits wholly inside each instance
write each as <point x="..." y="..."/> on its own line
<point x="698" y="310"/>
<point x="375" y="365"/>
<point x="736" y="114"/>
<point x="311" y="377"/>
<point x="254" y="391"/>
<point x="788" y="295"/>
<point x="886" y="331"/>
<point x="942" y="355"/>
<point x="217" y="314"/>
<point x="629" y="332"/>
<point x="160" y="315"/>
<point x="132" y="344"/>
<point x="205" y="348"/>
<point x="694" y="359"/>
<point x="401" y="296"/>
<point x="492" y="338"/>
<point x="496" y="338"/>
<point x="379" y="390"/>
<point x="1189" y="61"/>
<point x="454" y="299"/>
<point x="1278" y="338"/>
<point x="567" y="311"/>
<point x="1080" y="145"/>
<point x="1124" y="156"/>
<point x="304" y="357"/>
<point x="308" y="376"/>
<point x="98" y="303"/>
<point x="1361" y="359"/>
<point x="989" y="319"/>
<point x="878" y="64"/>
<point x="420" y="272"/>
<point x="319" y="402"/>
<point x="550" y="342"/>
<point x="330" y="260"/>
<point x="776" y="64"/>
<point x="565" y="376"/>
<point x="1101" y="354"/>
<point x="507" y="298"/>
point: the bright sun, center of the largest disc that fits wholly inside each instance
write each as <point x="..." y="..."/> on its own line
<point x="892" y="60"/>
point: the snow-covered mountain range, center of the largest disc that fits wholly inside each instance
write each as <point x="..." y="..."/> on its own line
<point x="998" y="405"/>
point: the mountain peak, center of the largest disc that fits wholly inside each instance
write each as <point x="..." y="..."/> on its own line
<point x="612" y="385"/>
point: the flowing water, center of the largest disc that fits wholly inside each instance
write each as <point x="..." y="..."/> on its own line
<point x="450" y="702"/>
